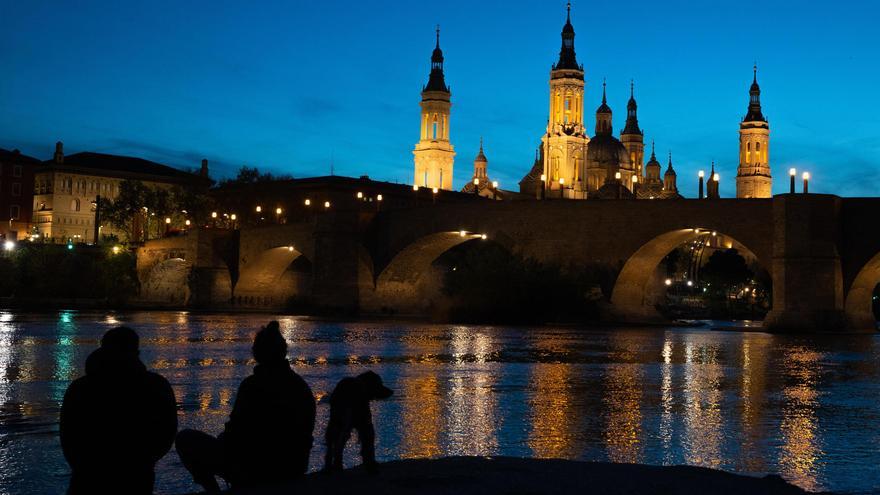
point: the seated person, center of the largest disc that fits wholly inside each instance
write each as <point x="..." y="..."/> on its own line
<point x="269" y="433"/>
<point x="350" y="409"/>
<point x="117" y="421"/>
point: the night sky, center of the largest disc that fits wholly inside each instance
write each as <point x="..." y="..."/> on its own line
<point x="290" y="86"/>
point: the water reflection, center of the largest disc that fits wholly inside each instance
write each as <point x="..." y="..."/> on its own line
<point x="738" y="401"/>
<point x="800" y="451"/>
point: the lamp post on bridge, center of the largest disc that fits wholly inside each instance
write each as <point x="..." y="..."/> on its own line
<point x="806" y="178"/>
<point x="792" y="172"/>
<point x="700" y="174"/>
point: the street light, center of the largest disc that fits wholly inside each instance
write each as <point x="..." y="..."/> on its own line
<point x="462" y="233"/>
<point x="259" y="209"/>
<point x="617" y="175"/>
<point x="792" y="172"/>
<point x="494" y="184"/>
<point x="668" y="282"/>
<point x="9" y="245"/>
<point x="378" y="197"/>
<point x="360" y="195"/>
<point x="700" y="174"/>
<point x="213" y="214"/>
<point x="232" y="217"/>
<point x="187" y="223"/>
<point x="806" y="177"/>
<point x="308" y="202"/>
<point x="484" y="237"/>
<point x="716" y="177"/>
<point x="415" y="187"/>
<point x="290" y="248"/>
<point x="326" y="204"/>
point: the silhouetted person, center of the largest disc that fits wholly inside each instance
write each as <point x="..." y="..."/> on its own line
<point x="117" y="421"/>
<point x="350" y="409"/>
<point x="269" y="433"/>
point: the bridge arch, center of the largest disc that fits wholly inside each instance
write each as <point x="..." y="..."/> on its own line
<point x="167" y="282"/>
<point x="403" y="284"/>
<point x="637" y="286"/>
<point x="859" y="299"/>
<point x="265" y="279"/>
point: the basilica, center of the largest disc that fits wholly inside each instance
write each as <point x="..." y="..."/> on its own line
<point x="569" y="162"/>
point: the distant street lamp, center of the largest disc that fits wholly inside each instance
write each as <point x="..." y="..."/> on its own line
<point x="792" y="172"/>
<point x="806" y="177"/>
<point x="700" y="174"/>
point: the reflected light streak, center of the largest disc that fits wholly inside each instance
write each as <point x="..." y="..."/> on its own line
<point x="800" y="453"/>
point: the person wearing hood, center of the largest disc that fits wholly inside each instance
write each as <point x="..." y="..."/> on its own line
<point x="117" y="421"/>
<point x="268" y="437"/>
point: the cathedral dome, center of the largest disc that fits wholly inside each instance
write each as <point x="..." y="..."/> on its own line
<point x="606" y="150"/>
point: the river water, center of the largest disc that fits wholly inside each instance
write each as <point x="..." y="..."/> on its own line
<point x="806" y="407"/>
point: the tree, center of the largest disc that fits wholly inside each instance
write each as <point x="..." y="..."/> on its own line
<point x="252" y="175"/>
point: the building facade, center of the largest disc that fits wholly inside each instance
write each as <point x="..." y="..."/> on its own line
<point x="66" y="188"/>
<point x="16" y="193"/>
<point x="434" y="154"/>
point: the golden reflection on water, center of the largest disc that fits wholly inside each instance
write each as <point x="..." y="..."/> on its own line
<point x="470" y="417"/>
<point x="623" y="400"/>
<point x="553" y="414"/>
<point x="422" y="398"/>
<point x="800" y="452"/>
<point x="666" y="402"/>
<point x="753" y="400"/>
<point x="703" y="426"/>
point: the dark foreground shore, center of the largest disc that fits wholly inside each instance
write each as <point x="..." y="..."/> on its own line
<point x="510" y="475"/>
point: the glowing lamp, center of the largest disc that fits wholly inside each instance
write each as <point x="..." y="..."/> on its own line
<point x="668" y="281"/>
<point x="690" y="283"/>
<point x="435" y="190"/>
<point x="167" y="220"/>
<point x="213" y="214"/>
<point x="360" y="195"/>
<point x="308" y="202"/>
<point x="701" y="174"/>
<point x="415" y="187"/>
<point x="277" y="211"/>
<point x="476" y="181"/>
<point x="187" y="223"/>
<point x="494" y="184"/>
<point x="326" y="204"/>
<point x="716" y="177"/>
<point x="484" y="237"/>
<point x="792" y="171"/>
<point x="378" y="197"/>
<point x="9" y="245"/>
<point x="561" y="181"/>
<point x="462" y="233"/>
<point x="617" y="175"/>
<point x="290" y="248"/>
<point x="232" y="217"/>
<point x="806" y="176"/>
<point x="259" y="209"/>
<point x="115" y="249"/>
<point x="635" y="179"/>
<point x="543" y="177"/>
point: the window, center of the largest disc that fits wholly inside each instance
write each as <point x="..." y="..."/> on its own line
<point x="758" y="146"/>
<point x="74" y="205"/>
<point x="14" y="212"/>
<point x="434" y="126"/>
<point x="16" y="170"/>
<point x="16" y="188"/>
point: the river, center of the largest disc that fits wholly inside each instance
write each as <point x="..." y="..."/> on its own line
<point x="806" y="407"/>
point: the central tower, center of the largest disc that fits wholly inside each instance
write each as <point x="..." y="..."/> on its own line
<point x="434" y="154"/>
<point x="753" y="175"/>
<point x="565" y="143"/>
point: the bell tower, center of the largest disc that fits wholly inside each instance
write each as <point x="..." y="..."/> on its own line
<point x="434" y="154"/>
<point x="566" y="140"/>
<point x="753" y="174"/>
<point x="632" y="137"/>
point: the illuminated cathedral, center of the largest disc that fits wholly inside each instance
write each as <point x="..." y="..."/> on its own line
<point x="569" y="162"/>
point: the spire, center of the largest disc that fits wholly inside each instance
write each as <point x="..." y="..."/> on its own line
<point x="481" y="157"/>
<point x="632" y="118"/>
<point x="603" y="108"/>
<point x="669" y="169"/>
<point x="604" y="83"/>
<point x="436" y="81"/>
<point x="754" y="114"/>
<point x="567" y="58"/>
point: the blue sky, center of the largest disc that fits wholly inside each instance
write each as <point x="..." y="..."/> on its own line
<point x="288" y="86"/>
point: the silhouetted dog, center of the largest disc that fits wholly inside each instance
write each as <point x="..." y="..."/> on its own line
<point x="350" y="409"/>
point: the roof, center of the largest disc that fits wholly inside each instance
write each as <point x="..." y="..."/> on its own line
<point x="15" y="156"/>
<point x="118" y="164"/>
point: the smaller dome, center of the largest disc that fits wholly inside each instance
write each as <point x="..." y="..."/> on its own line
<point x="437" y="55"/>
<point x="481" y="157"/>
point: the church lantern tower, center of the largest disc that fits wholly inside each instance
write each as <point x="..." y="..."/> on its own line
<point x="565" y="142"/>
<point x="631" y="136"/>
<point x="753" y="174"/>
<point x="434" y="154"/>
<point x="670" y="179"/>
<point x="480" y="181"/>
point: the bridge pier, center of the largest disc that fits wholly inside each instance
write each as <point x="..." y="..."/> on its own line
<point x="808" y="291"/>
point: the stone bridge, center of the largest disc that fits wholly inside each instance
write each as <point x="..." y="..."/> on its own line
<point x="822" y="252"/>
